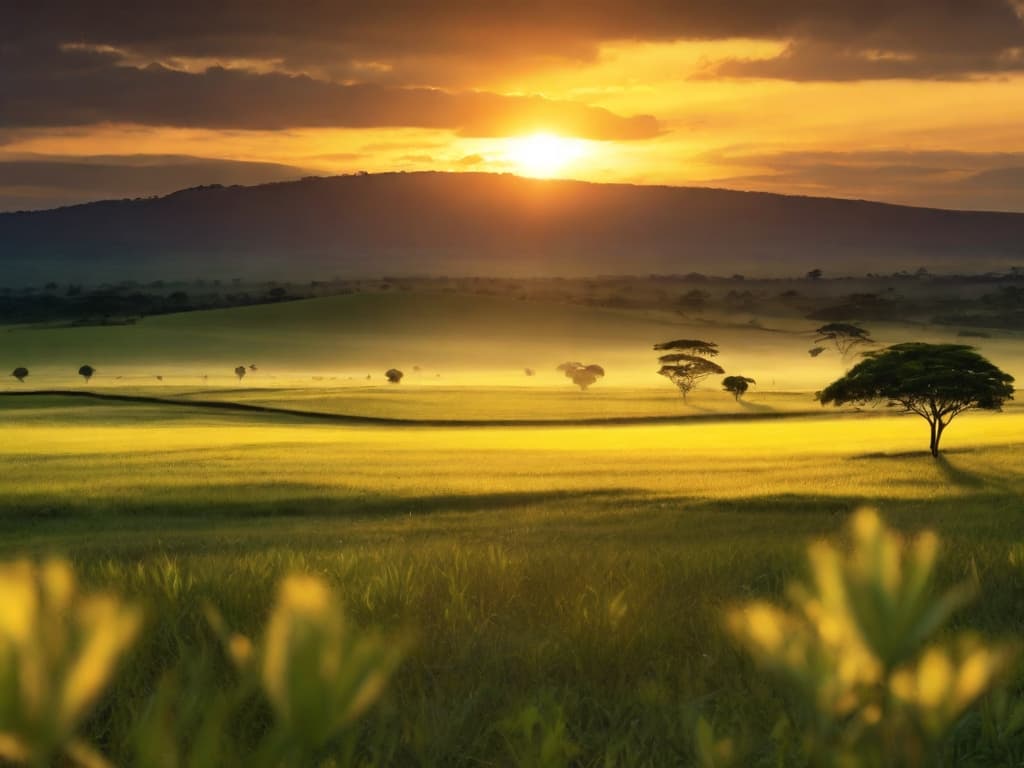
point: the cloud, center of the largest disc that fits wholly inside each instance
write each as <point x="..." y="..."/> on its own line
<point x="37" y="182"/>
<point x="941" y="179"/>
<point x="446" y="41"/>
<point x="85" y="87"/>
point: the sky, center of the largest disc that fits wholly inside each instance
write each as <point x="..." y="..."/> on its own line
<point x="909" y="101"/>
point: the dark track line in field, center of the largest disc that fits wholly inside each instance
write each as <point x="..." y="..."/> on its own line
<point x="341" y="418"/>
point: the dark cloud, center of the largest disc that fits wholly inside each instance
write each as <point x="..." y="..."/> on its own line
<point x="400" y="39"/>
<point x="82" y="87"/>
<point x="36" y="182"/>
<point x="961" y="180"/>
<point x="814" y="61"/>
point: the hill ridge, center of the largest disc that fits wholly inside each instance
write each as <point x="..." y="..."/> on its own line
<point x="491" y="225"/>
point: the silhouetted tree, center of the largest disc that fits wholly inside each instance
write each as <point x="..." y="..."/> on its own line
<point x="20" y="374"/>
<point x="86" y="372"/>
<point x="394" y="375"/>
<point x="582" y="375"/>
<point x="737" y="385"/>
<point x="689" y="346"/>
<point x="814" y="274"/>
<point x="529" y="371"/>
<point x="687" y="364"/>
<point x="240" y="372"/>
<point x="935" y="381"/>
<point x="844" y="336"/>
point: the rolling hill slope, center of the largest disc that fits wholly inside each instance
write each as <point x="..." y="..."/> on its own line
<point x="482" y="224"/>
<point x="454" y="339"/>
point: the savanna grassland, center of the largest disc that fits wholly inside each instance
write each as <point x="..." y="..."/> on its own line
<point x="555" y="564"/>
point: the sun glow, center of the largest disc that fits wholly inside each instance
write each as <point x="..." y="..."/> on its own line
<point x="544" y="154"/>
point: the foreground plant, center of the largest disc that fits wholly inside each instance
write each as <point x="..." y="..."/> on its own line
<point x="59" y="649"/>
<point x="319" y="674"/>
<point x="858" y="645"/>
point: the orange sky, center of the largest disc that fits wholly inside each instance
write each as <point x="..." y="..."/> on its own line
<point x="830" y="102"/>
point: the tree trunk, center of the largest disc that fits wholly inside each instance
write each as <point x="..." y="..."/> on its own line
<point x="938" y="436"/>
<point x="933" y="445"/>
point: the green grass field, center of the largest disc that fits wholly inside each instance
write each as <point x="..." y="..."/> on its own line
<point x="498" y="550"/>
<point x="579" y="568"/>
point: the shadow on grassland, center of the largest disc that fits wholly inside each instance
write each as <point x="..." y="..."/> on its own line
<point x="262" y="500"/>
<point x="951" y="470"/>
<point x="755" y="407"/>
<point x="192" y="406"/>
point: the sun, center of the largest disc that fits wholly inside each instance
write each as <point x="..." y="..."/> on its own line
<point x="544" y="154"/>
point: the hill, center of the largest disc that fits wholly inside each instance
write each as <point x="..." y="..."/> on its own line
<point x="453" y="339"/>
<point x="484" y="224"/>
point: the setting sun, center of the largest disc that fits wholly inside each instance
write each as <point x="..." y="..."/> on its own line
<point x="544" y="154"/>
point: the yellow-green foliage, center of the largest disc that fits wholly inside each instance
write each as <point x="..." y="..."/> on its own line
<point x="859" y="644"/>
<point x="59" y="650"/>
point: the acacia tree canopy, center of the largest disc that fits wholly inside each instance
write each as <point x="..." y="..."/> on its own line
<point x="688" y="346"/>
<point x="87" y="372"/>
<point x="582" y="375"/>
<point x="845" y="336"/>
<point x="935" y="381"/>
<point x="737" y="385"/>
<point x="687" y="363"/>
<point x="20" y="373"/>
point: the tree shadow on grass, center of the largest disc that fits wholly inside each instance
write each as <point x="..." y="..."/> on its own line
<point x="961" y="477"/>
<point x="755" y="407"/>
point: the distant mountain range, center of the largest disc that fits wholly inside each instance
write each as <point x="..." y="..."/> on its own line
<point x="486" y="224"/>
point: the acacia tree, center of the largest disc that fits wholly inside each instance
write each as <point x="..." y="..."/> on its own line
<point x="737" y="385"/>
<point x="582" y="375"/>
<point x="86" y="372"/>
<point x="240" y="372"/>
<point x="935" y="381"/>
<point x="394" y="375"/>
<point x="688" y="364"/>
<point x="20" y="374"/>
<point x="844" y="336"/>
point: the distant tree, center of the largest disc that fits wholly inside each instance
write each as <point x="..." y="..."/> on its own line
<point x="687" y="363"/>
<point x="252" y="367"/>
<point x="695" y="299"/>
<point x="737" y="385"/>
<point x="159" y="378"/>
<point x="86" y="372"/>
<point x="529" y="371"/>
<point x="815" y="351"/>
<point x="240" y="372"/>
<point x="20" y="374"/>
<point x="689" y="346"/>
<point x="582" y="375"/>
<point x="814" y="274"/>
<point x="844" y="336"/>
<point x="935" y="381"/>
<point x="394" y="375"/>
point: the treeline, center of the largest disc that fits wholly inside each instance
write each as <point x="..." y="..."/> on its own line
<point x="991" y="300"/>
<point x="127" y="303"/>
